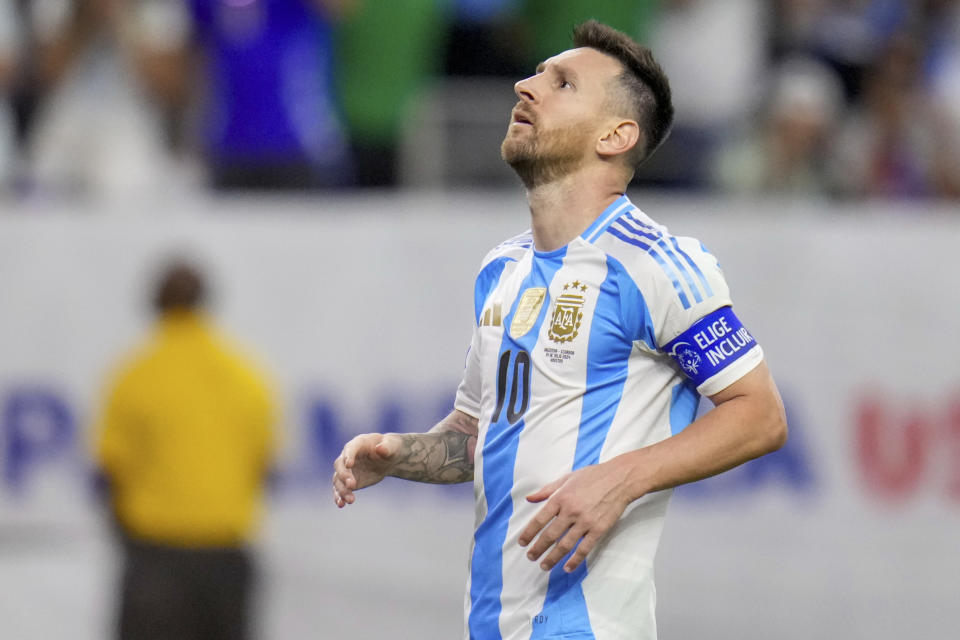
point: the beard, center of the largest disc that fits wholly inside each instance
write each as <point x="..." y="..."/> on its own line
<point x="541" y="157"/>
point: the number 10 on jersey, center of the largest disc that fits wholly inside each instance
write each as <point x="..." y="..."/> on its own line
<point x="513" y="372"/>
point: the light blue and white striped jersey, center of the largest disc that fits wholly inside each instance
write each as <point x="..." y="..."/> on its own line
<point x="579" y="355"/>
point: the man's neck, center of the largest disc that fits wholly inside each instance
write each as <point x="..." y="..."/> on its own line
<point x="562" y="210"/>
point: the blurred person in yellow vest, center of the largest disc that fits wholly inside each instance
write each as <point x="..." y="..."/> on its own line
<point x="185" y="443"/>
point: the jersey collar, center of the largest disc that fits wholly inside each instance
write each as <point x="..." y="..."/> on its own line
<point x="605" y="219"/>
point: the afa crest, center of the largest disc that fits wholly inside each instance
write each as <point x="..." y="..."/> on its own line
<point x="568" y="314"/>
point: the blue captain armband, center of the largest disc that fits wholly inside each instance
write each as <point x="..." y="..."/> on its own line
<point x="710" y="345"/>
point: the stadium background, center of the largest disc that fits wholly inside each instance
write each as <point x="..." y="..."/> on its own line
<point x="357" y="297"/>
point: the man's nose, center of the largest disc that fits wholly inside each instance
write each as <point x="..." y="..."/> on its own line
<point x="525" y="91"/>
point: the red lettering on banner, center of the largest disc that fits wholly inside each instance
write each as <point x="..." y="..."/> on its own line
<point x="892" y="450"/>
<point x="952" y="432"/>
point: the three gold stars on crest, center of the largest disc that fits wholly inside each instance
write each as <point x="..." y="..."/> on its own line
<point x="576" y="285"/>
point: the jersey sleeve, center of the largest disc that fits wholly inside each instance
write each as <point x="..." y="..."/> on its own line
<point x="693" y="318"/>
<point x="469" y="390"/>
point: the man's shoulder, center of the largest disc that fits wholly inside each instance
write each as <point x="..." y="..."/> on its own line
<point x="510" y="249"/>
<point x="666" y="268"/>
<point x="639" y="242"/>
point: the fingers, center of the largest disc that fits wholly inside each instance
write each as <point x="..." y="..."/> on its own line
<point x="344" y="482"/>
<point x="562" y="549"/>
<point x="586" y="545"/>
<point x="559" y="539"/>
<point x="350" y="450"/>
<point x="545" y="515"/>
<point x="545" y="492"/>
<point x="539" y="521"/>
<point x="387" y="446"/>
<point x="562" y="536"/>
<point x="355" y="459"/>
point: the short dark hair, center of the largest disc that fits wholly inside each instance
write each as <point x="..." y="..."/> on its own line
<point x="643" y="82"/>
<point x="181" y="286"/>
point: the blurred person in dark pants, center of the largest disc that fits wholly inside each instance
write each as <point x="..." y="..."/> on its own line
<point x="184" y="442"/>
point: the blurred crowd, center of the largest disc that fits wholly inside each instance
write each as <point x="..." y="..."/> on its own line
<point x="816" y="98"/>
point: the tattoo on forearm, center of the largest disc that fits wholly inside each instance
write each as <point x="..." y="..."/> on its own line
<point x="441" y="458"/>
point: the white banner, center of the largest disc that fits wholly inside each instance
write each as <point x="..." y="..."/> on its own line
<point x="361" y="308"/>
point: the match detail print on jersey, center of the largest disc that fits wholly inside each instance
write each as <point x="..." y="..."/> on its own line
<point x="710" y="345"/>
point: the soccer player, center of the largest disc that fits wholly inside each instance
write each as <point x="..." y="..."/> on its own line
<point x="595" y="333"/>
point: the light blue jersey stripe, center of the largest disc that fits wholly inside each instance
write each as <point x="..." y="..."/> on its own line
<point x="607" y="369"/>
<point x="605" y="219"/>
<point x="656" y="256"/>
<point x="605" y="382"/>
<point x="684" y="401"/>
<point x="499" y="461"/>
<point x="631" y="224"/>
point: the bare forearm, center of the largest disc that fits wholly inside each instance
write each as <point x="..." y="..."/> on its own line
<point x="739" y="428"/>
<point x="441" y="457"/>
<point x="702" y="450"/>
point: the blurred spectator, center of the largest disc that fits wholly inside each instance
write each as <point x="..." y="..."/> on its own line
<point x="898" y="144"/>
<point x="388" y="52"/>
<point x="787" y="153"/>
<point x="852" y="33"/>
<point x="848" y="35"/>
<point x="550" y="22"/>
<point x="96" y="130"/>
<point x="486" y="39"/>
<point x="793" y="27"/>
<point x="8" y="48"/>
<point x="269" y="113"/>
<point x="941" y="33"/>
<point x="943" y="59"/>
<point x="184" y="442"/>
<point x="714" y="53"/>
<point x="277" y="94"/>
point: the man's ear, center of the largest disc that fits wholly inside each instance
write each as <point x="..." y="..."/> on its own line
<point x="619" y="139"/>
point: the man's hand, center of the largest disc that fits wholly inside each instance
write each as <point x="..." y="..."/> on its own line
<point x="444" y="455"/>
<point x="581" y="508"/>
<point x="364" y="461"/>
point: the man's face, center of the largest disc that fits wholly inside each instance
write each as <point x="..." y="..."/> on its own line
<point x="562" y="111"/>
